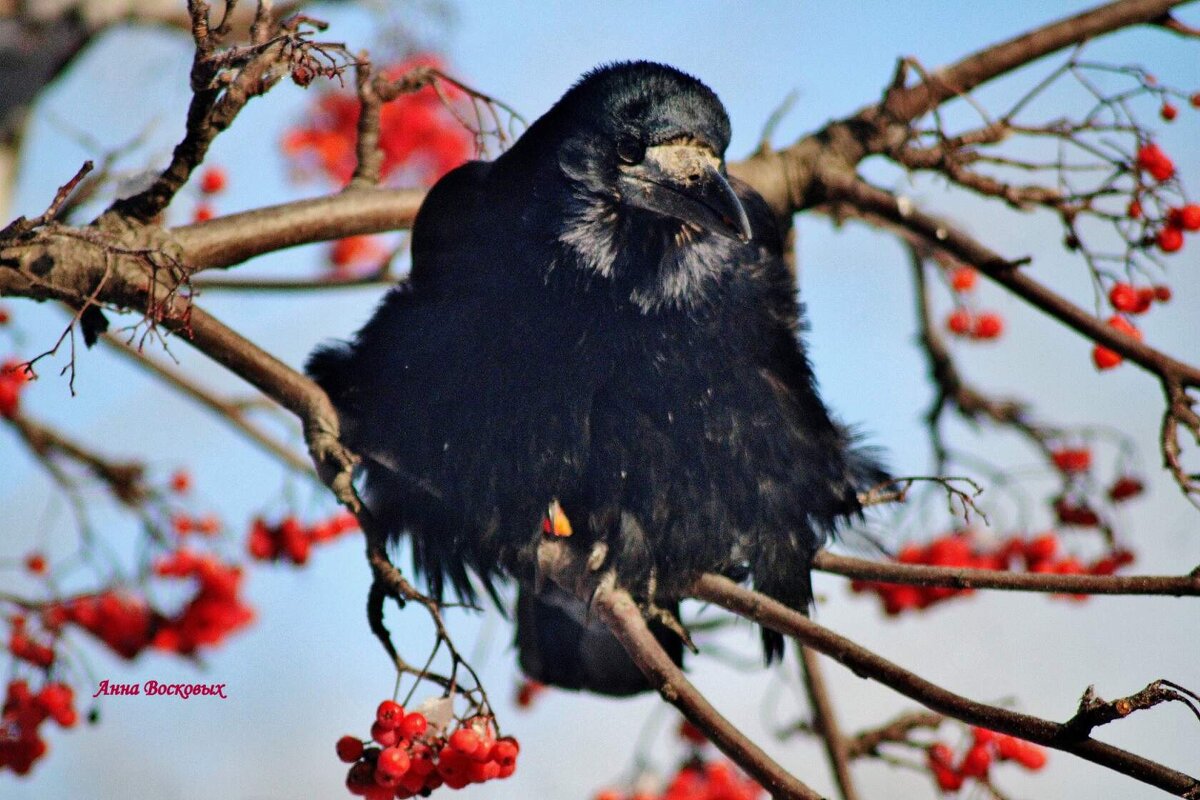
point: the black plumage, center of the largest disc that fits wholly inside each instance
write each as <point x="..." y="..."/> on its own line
<point x="599" y="316"/>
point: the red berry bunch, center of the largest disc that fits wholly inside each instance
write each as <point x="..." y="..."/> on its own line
<point x="986" y="747"/>
<point x="1183" y="218"/>
<point x="419" y="135"/>
<point x="122" y="621"/>
<point x="23" y="713"/>
<point x="13" y="377"/>
<point x="185" y="524"/>
<point x="411" y="758"/>
<point x="213" y="180"/>
<point x="1152" y="159"/>
<point x="952" y="550"/>
<point x="962" y="321"/>
<point x="1039" y="554"/>
<point x="25" y="647"/>
<point x="697" y="779"/>
<point x="291" y="540"/>
<point x="214" y="612"/>
<point x="1130" y="299"/>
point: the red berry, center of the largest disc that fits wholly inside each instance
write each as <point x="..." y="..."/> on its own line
<point x="349" y="749"/>
<point x="959" y="322"/>
<point x="393" y="762"/>
<point x="413" y="725"/>
<point x="213" y="180"/>
<point x="464" y="740"/>
<point x="1072" y="459"/>
<point x="1162" y="293"/>
<point x="1170" y="239"/>
<point x="690" y="733"/>
<point x="1123" y="297"/>
<point x="983" y="735"/>
<point x="976" y="762"/>
<point x="1134" y="210"/>
<point x="1189" y="217"/>
<point x="505" y="751"/>
<point x="1124" y="326"/>
<point x="203" y="213"/>
<point x="360" y="778"/>
<point x="36" y="563"/>
<point x="963" y="279"/>
<point x="384" y="735"/>
<point x="1105" y="358"/>
<point x="181" y="481"/>
<point x="1168" y="112"/>
<point x="1124" y="488"/>
<point x="1195" y="100"/>
<point x="1041" y="548"/>
<point x="940" y="753"/>
<point x="988" y="326"/>
<point x="1029" y="755"/>
<point x="389" y="714"/>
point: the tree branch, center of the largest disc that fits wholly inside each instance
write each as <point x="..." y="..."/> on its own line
<point x="825" y="723"/>
<point x="765" y="611"/>
<point x="962" y="578"/>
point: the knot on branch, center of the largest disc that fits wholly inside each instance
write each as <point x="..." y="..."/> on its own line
<point x="1094" y="711"/>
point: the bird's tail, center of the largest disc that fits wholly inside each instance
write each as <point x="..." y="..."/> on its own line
<point x="560" y="644"/>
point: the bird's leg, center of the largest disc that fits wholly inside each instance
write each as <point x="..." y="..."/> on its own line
<point x="652" y="611"/>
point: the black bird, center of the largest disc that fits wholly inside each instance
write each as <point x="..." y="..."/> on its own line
<point x="602" y="318"/>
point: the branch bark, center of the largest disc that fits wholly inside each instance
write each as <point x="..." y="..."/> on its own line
<point x="765" y="611"/>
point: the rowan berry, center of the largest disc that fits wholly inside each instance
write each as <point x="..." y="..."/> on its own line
<point x="349" y="749"/>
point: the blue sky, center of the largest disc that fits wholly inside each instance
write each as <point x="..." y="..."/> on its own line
<point x="310" y="671"/>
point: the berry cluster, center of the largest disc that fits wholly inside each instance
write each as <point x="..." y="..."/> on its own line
<point x="13" y="377"/>
<point x="22" y="645"/>
<point x="419" y="136"/>
<point x="128" y="625"/>
<point x="213" y="181"/>
<point x="214" y="612"/>
<point x="291" y="540"/>
<point x="964" y="321"/>
<point x="986" y="746"/>
<point x="1039" y="554"/>
<point x="696" y="779"/>
<point x="411" y="757"/>
<point x="23" y="713"/>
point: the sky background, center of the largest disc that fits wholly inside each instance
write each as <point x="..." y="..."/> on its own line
<point x="310" y="671"/>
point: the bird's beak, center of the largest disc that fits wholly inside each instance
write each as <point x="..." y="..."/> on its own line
<point x="684" y="181"/>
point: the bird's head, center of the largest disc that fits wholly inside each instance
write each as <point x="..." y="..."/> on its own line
<point x="639" y="153"/>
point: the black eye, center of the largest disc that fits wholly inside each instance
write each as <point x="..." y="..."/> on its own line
<point x="630" y="151"/>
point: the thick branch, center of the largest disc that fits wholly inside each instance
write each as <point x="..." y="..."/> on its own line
<point x="962" y="578"/>
<point x="231" y="240"/>
<point x="624" y="618"/>
<point x="863" y="662"/>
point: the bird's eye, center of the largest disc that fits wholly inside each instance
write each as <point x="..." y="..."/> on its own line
<point x="630" y="151"/>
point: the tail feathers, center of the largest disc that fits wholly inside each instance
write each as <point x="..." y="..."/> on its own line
<point x="559" y="644"/>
